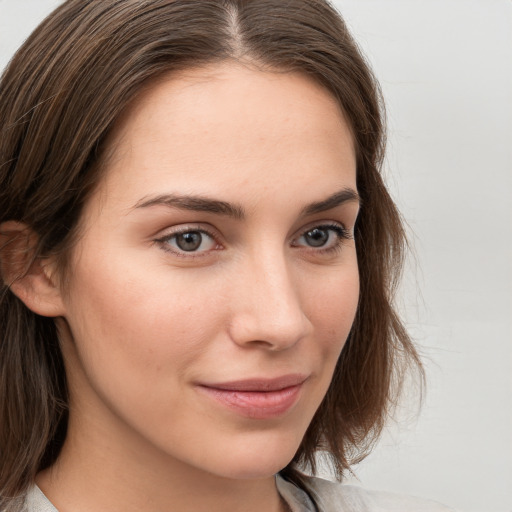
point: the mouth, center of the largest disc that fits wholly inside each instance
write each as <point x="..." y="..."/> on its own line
<point x="257" y="398"/>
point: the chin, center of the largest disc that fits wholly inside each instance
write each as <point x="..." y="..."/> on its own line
<point x="257" y="459"/>
<point x="253" y="470"/>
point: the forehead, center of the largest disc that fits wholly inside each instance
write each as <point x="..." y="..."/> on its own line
<point x="229" y="126"/>
<point x="236" y="88"/>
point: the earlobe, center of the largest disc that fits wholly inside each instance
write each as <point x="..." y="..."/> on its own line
<point x="28" y="277"/>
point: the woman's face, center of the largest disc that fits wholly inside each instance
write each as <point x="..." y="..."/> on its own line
<point x="216" y="280"/>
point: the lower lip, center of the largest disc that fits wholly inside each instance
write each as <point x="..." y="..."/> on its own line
<point x="256" y="404"/>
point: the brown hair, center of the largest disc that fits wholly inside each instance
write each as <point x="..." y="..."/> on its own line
<point x="61" y="95"/>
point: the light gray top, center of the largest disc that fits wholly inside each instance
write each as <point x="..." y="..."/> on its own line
<point x="335" y="497"/>
<point x="329" y="497"/>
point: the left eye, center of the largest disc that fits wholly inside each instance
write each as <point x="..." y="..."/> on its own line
<point x="324" y="237"/>
<point x="189" y="241"/>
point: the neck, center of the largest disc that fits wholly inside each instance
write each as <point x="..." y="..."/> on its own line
<point x="92" y="475"/>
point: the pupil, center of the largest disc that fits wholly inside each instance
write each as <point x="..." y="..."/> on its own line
<point x="189" y="241"/>
<point x="317" y="237"/>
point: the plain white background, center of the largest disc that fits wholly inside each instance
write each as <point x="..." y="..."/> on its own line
<point x="445" y="67"/>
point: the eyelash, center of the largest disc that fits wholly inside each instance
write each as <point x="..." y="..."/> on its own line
<point x="164" y="242"/>
<point x="340" y="231"/>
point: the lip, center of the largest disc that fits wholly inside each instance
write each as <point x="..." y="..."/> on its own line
<point x="257" y="398"/>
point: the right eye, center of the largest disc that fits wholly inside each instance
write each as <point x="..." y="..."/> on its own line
<point x="191" y="241"/>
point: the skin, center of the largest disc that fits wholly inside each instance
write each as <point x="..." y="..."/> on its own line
<point x="144" y="323"/>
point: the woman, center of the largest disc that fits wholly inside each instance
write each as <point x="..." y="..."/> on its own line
<point x="185" y="319"/>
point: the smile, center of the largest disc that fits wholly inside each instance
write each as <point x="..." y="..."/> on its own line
<point x="257" y="398"/>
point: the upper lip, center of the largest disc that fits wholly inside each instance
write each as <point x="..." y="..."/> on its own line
<point x="259" y="384"/>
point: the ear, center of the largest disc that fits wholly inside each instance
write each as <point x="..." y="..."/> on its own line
<point x="31" y="279"/>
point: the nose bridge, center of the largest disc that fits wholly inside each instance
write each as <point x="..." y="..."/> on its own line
<point x="269" y="308"/>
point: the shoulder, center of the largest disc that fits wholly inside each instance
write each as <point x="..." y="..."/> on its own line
<point x="335" y="497"/>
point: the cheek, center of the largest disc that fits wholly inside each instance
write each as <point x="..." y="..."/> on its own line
<point x="138" y="336"/>
<point x="333" y="306"/>
<point x="139" y="318"/>
<point x="340" y="317"/>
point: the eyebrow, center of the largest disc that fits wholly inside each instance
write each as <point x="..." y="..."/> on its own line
<point x="196" y="204"/>
<point x="206" y="204"/>
<point x="337" y="199"/>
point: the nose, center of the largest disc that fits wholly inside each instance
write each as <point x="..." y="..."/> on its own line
<point x="267" y="306"/>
